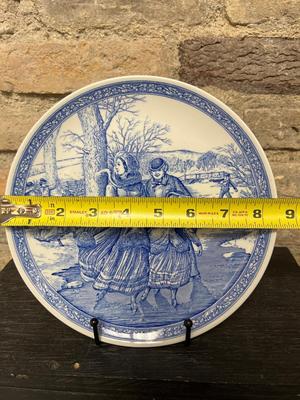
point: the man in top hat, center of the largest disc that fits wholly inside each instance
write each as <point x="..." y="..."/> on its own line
<point x="162" y="184"/>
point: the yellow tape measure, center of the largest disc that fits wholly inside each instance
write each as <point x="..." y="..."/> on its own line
<point x="150" y="212"/>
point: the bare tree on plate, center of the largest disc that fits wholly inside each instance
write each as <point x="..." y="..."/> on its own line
<point x="50" y="165"/>
<point x="95" y="121"/>
<point x="138" y="137"/>
<point x="239" y="167"/>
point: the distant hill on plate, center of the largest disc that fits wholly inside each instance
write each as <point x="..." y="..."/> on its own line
<point x="179" y="161"/>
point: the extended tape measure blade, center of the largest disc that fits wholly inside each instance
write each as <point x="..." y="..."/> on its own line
<point x="237" y="213"/>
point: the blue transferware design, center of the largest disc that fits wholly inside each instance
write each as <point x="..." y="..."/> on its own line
<point x="141" y="283"/>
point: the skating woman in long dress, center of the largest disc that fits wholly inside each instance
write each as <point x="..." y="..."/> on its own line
<point x="125" y="268"/>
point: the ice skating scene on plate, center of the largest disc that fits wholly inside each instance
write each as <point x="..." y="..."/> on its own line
<point x="135" y="145"/>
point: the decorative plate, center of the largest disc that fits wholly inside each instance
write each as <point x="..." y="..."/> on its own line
<point x="141" y="136"/>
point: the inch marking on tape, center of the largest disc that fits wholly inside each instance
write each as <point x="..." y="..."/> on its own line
<point x="251" y="213"/>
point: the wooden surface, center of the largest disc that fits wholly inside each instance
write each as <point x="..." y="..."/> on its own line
<point x="253" y="354"/>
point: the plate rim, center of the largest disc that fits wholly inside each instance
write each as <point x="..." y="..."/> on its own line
<point x="237" y="119"/>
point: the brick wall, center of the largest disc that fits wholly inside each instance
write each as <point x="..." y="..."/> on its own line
<point x="245" y="52"/>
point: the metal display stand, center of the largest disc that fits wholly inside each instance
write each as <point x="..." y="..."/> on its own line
<point x="188" y="323"/>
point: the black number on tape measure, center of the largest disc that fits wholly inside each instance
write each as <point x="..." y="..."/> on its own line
<point x="158" y="212"/>
<point x="125" y="212"/>
<point x="290" y="214"/>
<point x="93" y="212"/>
<point x="257" y="213"/>
<point x="225" y="211"/>
<point x="190" y="212"/>
<point x="60" y="212"/>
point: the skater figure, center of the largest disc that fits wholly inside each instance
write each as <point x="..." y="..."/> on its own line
<point x="94" y="244"/>
<point x="172" y="258"/>
<point x="225" y="184"/>
<point x="162" y="184"/>
<point x="125" y="268"/>
<point x="30" y="189"/>
<point x="44" y="187"/>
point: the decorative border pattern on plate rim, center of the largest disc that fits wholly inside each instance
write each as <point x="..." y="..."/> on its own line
<point x="175" y="92"/>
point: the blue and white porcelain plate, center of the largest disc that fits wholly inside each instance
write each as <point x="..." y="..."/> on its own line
<point x="141" y="136"/>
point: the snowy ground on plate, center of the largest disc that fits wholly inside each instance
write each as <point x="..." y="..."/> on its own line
<point x="225" y="254"/>
<point x="210" y="189"/>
